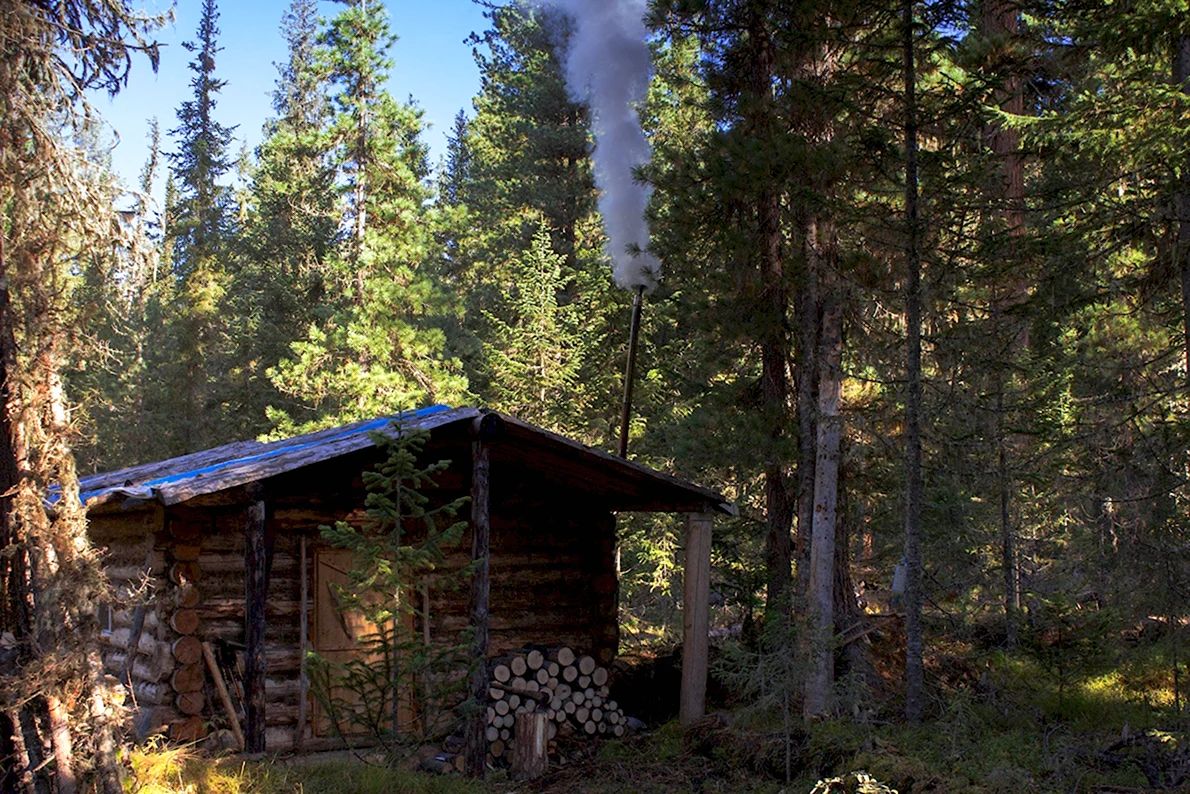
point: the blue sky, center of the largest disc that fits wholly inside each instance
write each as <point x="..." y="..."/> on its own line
<point x="432" y="64"/>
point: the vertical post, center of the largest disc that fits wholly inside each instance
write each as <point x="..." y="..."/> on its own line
<point x="695" y="617"/>
<point x="475" y="747"/>
<point x="303" y="643"/>
<point x="257" y="562"/>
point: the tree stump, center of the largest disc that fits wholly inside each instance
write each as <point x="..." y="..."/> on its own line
<point x="529" y="758"/>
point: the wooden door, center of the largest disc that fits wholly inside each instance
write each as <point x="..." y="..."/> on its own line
<point x="346" y="637"/>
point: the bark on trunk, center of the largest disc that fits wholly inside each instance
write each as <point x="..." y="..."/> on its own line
<point x="1001" y="21"/>
<point x="826" y="482"/>
<point x="913" y="480"/>
<point x="809" y="319"/>
<point x="65" y="781"/>
<point x="17" y="614"/>
<point x="104" y="731"/>
<point x="1007" y="533"/>
<point x="43" y="721"/>
<point x="1181" y="73"/>
<point x="774" y="341"/>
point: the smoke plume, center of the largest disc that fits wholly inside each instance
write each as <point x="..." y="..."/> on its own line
<point x="607" y="67"/>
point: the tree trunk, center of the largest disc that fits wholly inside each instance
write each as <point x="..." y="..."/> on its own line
<point x="1001" y="21"/>
<point x="826" y="492"/>
<point x="774" y="340"/>
<point x="807" y="405"/>
<point x="856" y="659"/>
<point x="1007" y="533"/>
<point x="16" y="616"/>
<point x="41" y="721"/>
<point x="102" y="728"/>
<point x="914" y="694"/>
<point x="1181" y="75"/>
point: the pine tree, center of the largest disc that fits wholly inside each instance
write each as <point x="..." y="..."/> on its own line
<point x="754" y="161"/>
<point x="1116" y="226"/>
<point x="381" y="346"/>
<point x="913" y="484"/>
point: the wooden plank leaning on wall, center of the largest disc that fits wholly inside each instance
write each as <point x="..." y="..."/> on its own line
<point x="484" y="429"/>
<point x="695" y="617"/>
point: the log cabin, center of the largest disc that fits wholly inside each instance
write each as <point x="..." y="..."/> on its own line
<point x="224" y="546"/>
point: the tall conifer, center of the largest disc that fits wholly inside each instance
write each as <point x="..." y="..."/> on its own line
<point x="202" y="158"/>
<point x="380" y="346"/>
<point x="56" y="212"/>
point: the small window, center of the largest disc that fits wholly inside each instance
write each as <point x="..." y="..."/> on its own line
<point x="105" y="619"/>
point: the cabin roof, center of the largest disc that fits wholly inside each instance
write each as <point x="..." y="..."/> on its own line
<point x="622" y="484"/>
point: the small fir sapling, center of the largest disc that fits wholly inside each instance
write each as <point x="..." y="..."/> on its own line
<point x="769" y="678"/>
<point x="401" y="685"/>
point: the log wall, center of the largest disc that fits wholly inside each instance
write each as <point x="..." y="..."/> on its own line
<point x="553" y="583"/>
<point x="137" y="547"/>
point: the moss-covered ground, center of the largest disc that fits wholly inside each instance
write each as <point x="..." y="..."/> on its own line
<point x="998" y="723"/>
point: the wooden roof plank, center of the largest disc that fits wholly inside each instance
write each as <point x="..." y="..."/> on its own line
<point x="620" y="483"/>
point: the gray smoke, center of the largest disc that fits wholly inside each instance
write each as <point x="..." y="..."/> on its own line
<point x="607" y="66"/>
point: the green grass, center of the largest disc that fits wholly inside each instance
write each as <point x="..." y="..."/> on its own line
<point x="185" y="771"/>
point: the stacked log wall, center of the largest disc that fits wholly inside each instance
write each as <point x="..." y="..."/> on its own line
<point x="135" y="546"/>
<point x="222" y="613"/>
<point x="553" y="583"/>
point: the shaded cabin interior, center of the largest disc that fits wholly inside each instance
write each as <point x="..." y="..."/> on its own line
<point x="206" y="536"/>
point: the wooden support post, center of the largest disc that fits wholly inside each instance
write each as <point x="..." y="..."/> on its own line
<point x="303" y="644"/>
<point x="484" y="429"/>
<point x="695" y="617"/>
<point x="257" y="562"/>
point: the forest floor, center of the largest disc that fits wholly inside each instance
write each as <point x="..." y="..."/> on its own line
<point x="1097" y="720"/>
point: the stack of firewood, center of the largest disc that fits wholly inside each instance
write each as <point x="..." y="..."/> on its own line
<point x="571" y="690"/>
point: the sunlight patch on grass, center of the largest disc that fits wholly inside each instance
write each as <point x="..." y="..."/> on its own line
<point x="183" y="771"/>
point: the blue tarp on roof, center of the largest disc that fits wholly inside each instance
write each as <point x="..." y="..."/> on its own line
<point x="155" y="480"/>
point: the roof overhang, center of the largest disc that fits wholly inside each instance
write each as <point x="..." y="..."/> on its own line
<point x="621" y="484"/>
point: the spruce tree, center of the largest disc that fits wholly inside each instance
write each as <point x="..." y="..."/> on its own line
<point x="291" y="229"/>
<point x="192" y="355"/>
<point x="536" y="349"/>
<point x="201" y="159"/>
